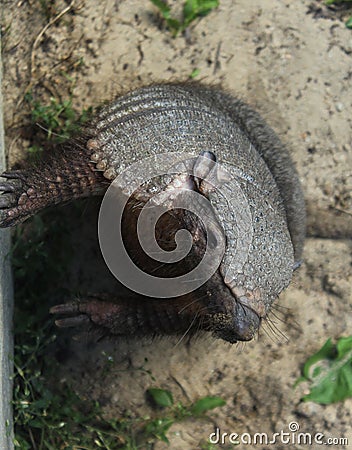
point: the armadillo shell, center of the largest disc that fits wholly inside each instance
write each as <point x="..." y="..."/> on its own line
<point x="192" y="119"/>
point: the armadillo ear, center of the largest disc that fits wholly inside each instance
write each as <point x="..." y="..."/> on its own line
<point x="203" y="165"/>
<point x="201" y="174"/>
<point x="199" y="177"/>
<point x="204" y="176"/>
<point x="208" y="174"/>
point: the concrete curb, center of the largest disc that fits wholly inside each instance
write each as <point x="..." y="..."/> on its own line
<point x="6" y="310"/>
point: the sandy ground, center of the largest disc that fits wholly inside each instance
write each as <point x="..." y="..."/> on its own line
<point x="291" y="61"/>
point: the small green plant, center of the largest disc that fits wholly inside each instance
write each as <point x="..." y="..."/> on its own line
<point x="194" y="74"/>
<point x="331" y="2"/>
<point x="58" y="118"/>
<point x="54" y="121"/>
<point x="176" y="412"/>
<point x="192" y="9"/>
<point x="329" y="372"/>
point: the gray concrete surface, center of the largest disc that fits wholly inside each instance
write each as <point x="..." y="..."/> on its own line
<point x="6" y="309"/>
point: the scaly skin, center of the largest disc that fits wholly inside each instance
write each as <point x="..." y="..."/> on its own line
<point x="65" y="174"/>
<point x="146" y="122"/>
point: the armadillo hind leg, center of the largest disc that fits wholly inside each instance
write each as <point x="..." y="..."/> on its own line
<point x="64" y="174"/>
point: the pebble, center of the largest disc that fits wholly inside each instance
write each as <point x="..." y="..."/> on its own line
<point x="309" y="409"/>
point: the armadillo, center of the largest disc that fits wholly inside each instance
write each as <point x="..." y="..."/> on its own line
<point x="179" y="118"/>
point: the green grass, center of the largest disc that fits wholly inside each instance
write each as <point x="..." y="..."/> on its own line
<point x="55" y="121"/>
<point x="192" y="10"/>
<point x="58" y="118"/>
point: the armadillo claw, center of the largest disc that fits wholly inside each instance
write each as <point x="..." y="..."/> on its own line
<point x="7" y="187"/>
<point x="73" y="309"/>
<point x="83" y="312"/>
<point x="15" y="175"/>
<point x="13" y="196"/>
<point x="69" y="308"/>
<point x="66" y="308"/>
<point x="6" y="200"/>
<point x="72" y="321"/>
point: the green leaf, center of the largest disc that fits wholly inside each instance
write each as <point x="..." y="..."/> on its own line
<point x="196" y="8"/>
<point x="205" y="404"/>
<point x="349" y="23"/>
<point x="36" y="423"/>
<point x="174" y="25"/>
<point x="161" y="397"/>
<point x="159" y="427"/>
<point x="326" y="352"/>
<point x="329" y="372"/>
<point x="194" y="73"/>
<point x="163" y="8"/>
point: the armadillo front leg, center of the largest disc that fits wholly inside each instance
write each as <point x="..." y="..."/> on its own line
<point x="132" y="316"/>
<point x="65" y="174"/>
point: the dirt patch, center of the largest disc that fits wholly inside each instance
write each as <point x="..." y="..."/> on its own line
<point x="294" y="66"/>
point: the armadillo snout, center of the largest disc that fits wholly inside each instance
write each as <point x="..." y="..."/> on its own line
<point x="243" y="325"/>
